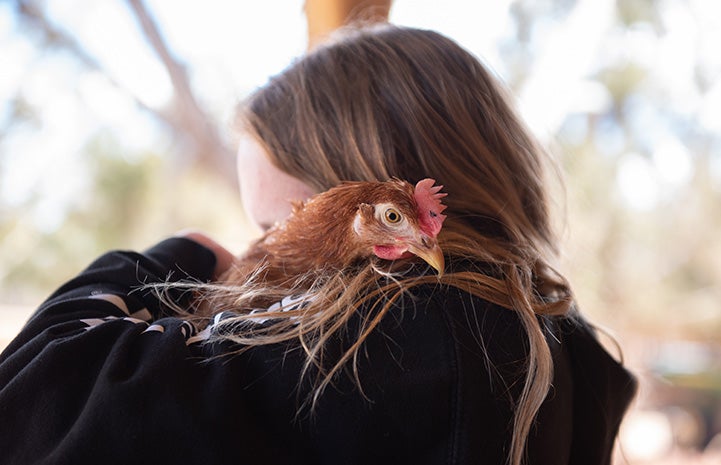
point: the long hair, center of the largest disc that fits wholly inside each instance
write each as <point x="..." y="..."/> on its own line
<point x="387" y="101"/>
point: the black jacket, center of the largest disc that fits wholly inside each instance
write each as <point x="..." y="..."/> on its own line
<point x="98" y="375"/>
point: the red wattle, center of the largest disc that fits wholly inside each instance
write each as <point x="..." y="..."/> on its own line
<point x="391" y="252"/>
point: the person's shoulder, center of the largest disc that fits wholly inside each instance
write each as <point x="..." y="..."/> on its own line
<point x="463" y="309"/>
<point x="592" y="363"/>
<point x="470" y="327"/>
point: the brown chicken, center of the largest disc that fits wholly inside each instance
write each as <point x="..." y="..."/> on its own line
<point x="342" y="227"/>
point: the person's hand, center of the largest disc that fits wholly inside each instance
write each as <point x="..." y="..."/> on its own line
<point x="222" y="256"/>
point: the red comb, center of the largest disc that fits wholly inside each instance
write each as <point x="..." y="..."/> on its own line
<point x="428" y="198"/>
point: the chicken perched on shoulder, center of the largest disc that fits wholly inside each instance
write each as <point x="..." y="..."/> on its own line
<point x="345" y="225"/>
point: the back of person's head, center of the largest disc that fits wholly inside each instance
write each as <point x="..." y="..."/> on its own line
<point x="389" y="101"/>
<point x="385" y="101"/>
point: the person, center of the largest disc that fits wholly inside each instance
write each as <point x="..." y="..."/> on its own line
<point x="490" y="363"/>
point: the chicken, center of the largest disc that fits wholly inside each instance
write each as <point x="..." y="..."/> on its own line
<point x="345" y="225"/>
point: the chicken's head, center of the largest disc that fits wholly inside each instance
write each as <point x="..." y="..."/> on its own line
<point x="404" y="221"/>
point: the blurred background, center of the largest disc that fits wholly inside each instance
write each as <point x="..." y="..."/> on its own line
<point x="116" y="131"/>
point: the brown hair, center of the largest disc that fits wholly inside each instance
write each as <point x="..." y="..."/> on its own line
<point x="387" y="101"/>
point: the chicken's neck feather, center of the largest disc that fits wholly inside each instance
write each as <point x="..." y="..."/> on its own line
<point x="317" y="235"/>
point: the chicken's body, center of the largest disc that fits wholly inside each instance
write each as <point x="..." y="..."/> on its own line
<point x="341" y="227"/>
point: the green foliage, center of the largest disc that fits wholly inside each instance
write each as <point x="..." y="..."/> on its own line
<point x="622" y="80"/>
<point x="637" y="11"/>
<point x="134" y="200"/>
<point x="121" y="186"/>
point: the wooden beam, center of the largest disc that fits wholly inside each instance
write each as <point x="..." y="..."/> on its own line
<point x="325" y="16"/>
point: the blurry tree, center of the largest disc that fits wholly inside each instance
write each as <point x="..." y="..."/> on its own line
<point x="184" y="114"/>
<point x="201" y="143"/>
<point x="643" y="197"/>
<point x="130" y="201"/>
<point x="103" y="219"/>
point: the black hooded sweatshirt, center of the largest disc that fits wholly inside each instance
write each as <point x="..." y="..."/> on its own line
<point x="100" y="375"/>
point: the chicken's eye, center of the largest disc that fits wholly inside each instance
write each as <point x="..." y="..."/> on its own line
<point x="392" y="216"/>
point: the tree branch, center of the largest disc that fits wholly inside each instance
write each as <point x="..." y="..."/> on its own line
<point x="186" y="118"/>
<point x="56" y="37"/>
<point x="210" y="148"/>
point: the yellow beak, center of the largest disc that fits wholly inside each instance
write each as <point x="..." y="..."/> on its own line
<point x="430" y="252"/>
